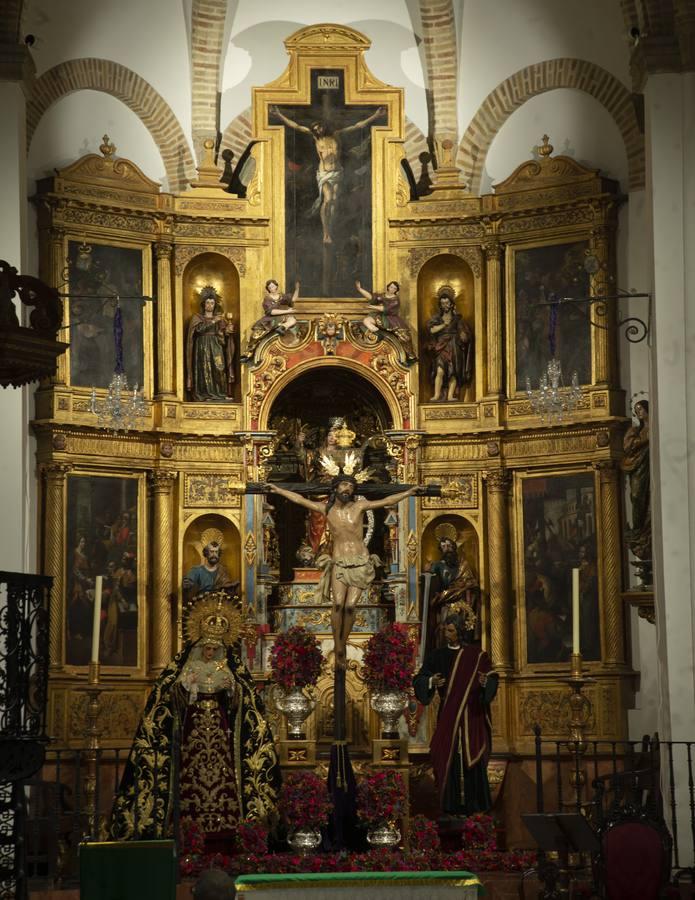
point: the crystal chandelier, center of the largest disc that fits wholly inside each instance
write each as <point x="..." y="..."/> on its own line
<point x="120" y="409"/>
<point x="552" y="400"/>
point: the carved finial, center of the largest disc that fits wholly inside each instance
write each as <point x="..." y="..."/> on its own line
<point x="107" y="148"/>
<point x="546" y="148"/>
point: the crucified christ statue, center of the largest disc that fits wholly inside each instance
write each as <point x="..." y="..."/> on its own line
<point x="352" y="569"/>
<point x="330" y="170"/>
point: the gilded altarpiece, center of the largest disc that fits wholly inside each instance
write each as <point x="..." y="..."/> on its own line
<point x="479" y="438"/>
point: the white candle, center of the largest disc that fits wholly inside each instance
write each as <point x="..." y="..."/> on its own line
<point x="96" y="621"/>
<point x="575" y="612"/>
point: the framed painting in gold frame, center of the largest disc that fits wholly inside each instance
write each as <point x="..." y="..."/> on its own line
<point x="536" y="274"/>
<point x="105" y="535"/>
<point x="101" y="274"/>
<point x="557" y="529"/>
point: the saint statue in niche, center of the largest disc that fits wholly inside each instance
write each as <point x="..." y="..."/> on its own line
<point x="453" y="581"/>
<point x="278" y="316"/>
<point x="387" y="320"/>
<point x="210" y="350"/>
<point x="451" y="347"/>
<point x="211" y="574"/>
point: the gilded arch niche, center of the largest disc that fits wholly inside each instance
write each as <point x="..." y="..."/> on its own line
<point x="210" y="277"/>
<point x="448" y="366"/>
<point x="201" y="531"/>
<point x="379" y="370"/>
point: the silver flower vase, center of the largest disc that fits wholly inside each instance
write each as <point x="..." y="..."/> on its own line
<point x="296" y="706"/>
<point x="389" y="706"/>
<point x="304" y="840"/>
<point x="384" y="835"/>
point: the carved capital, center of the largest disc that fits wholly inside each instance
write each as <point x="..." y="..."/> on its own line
<point x="161" y="481"/>
<point x="57" y="235"/>
<point x="492" y="250"/>
<point x="498" y="481"/>
<point x="607" y="470"/>
<point x="163" y="250"/>
<point x="56" y="471"/>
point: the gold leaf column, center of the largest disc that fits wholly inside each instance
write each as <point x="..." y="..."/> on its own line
<point x="604" y="334"/>
<point x="611" y="552"/>
<point x="161" y="485"/>
<point x="493" y="277"/>
<point x="53" y="272"/>
<point x="165" y="331"/>
<point x="498" y="484"/>
<point x="54" y="556"/>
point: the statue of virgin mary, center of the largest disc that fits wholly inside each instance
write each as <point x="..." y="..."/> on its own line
<point x="203" y="730"/>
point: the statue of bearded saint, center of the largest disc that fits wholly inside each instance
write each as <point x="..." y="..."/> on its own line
<point x="453" y="582"/>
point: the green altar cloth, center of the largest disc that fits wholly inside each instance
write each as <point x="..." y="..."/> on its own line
<point x="125" y="870"/>
<point x="371" y="885"/>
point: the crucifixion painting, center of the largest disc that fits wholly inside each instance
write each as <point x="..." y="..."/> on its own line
<point x="328" y="196"/>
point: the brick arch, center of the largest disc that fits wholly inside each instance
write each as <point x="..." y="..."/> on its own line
<point x="441" y="67"/>
<point x="550" y="75"/>
<point x="137" y="94"/>
<point x="238" y="134"/>
<point x="207" y="35"/>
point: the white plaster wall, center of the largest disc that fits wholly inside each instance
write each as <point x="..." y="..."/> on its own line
<point x="499" y="37"/>
<point x="148" y="36"/>
<point x="16" y="472"/>
<point x="578" y="126"/>
<point x="75" y="125"/>
<point x="256" y="53"/>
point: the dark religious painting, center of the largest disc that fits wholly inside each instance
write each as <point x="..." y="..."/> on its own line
<point x="542" y="274"/>
<point x="328" y="188"/>
<point x="560" y="534"/>
<point x="103" y="272"/>
<point x="102" y="539"/>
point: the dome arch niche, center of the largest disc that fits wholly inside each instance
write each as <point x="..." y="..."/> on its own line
<point x="397" y="400"/>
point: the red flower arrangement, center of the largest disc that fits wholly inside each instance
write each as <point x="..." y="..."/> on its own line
<point x="389" y="659"/>
<point x="424" y="835"/>
<point x="296" y="658"/>
<point x="479" y="832"/>
<point x="252" y="837"/>
<point x="304" y="800"/>
<point x="381" y="797"/>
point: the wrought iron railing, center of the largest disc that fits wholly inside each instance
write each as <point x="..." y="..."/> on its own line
<point x="653" y="775"/>
<point x="24" y="604"/>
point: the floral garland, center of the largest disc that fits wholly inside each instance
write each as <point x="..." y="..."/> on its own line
<point x="424" y="835"/>
<point x="381" y="797"/>
<point x="304" y="800"/>
<point x="296" y="658"/>
<point x="389" y="659"/>
<point x="377" y="860"/>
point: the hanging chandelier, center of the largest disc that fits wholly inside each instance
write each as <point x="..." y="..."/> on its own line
<point x="552" y="401"/>
<point x="121" y="407"/>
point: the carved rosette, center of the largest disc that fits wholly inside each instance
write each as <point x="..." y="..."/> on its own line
<point x="498" y="484"/>
<point x="611" y="551"/>
<point x="55" y="475"/>
<point x="161" y="485"/>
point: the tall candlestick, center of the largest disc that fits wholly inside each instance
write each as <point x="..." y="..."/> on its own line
<point x="575" y="612"/>
<point x="96" y="621"/>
